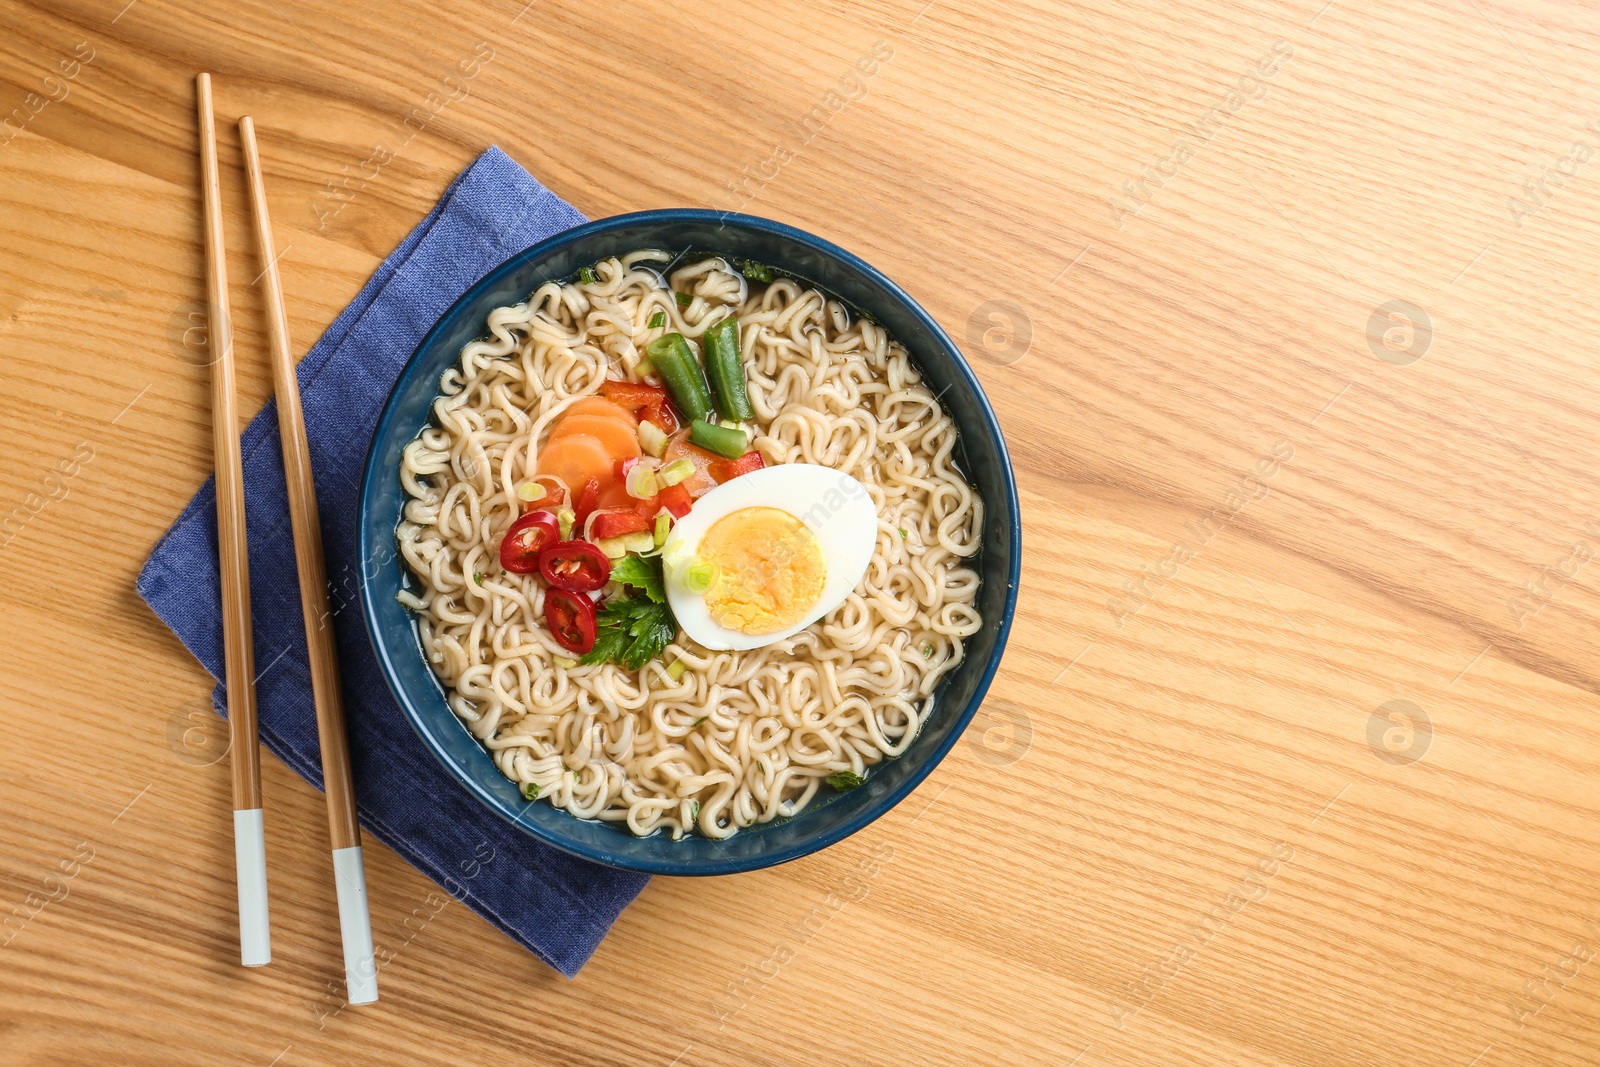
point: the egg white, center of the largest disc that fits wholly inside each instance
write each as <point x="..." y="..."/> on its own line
<point x="836" y="507"/>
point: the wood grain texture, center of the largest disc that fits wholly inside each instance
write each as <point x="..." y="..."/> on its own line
<point x="1271" y="526"/>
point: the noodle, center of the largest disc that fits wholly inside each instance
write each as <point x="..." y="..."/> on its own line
<point x="741" y="737"/>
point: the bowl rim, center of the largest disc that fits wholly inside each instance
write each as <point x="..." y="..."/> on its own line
<point x="669" y="866"/>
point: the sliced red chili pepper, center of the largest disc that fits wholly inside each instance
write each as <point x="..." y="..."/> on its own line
<point x="587" y="500"/>
<point x="616" y="523"/>
<point x="648" y="402"/>
<point x="724" y="470"/>
<point x="576" y="566"/>
<point x="570" y="617"/>
<point x="528" y="536"/>
<point x="676" y="499"/>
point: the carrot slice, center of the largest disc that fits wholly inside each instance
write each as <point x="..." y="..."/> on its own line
<point x="620" y="439"/>
<point x="700" y="482"/>
<point x="599" y="405"/>
<point x="576" y="458"/>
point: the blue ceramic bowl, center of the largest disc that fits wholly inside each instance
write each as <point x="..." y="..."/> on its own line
<point x="832" y="817"/>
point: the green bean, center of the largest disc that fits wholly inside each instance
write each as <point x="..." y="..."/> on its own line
<point x="719" y="439"/>
<point x="681" y="373"/>
<point x="725" y="369"/>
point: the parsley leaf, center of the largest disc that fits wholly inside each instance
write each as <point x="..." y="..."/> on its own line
<point x="757" y="272"/>
<point x="658" y="319"/>
<point x="842" y="780"/>
<point x="610" y="642"/>
<point x="631" y="632"/>
<point x="643" y="573"/>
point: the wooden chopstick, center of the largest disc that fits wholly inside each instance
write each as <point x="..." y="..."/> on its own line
<point x="249" y="840"/>
<point x="355" y="924"/>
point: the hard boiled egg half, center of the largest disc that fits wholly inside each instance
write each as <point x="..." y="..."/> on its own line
<point x="768" y="553"/>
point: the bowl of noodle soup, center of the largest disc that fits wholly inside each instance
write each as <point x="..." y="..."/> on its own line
<point x="702" y="760"/>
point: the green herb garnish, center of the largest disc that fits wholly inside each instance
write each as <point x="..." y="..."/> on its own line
<point x="757" y="272"/>
<point x="658" y="319"/>
<point x="477" y="576"/>
<point x="694" y="811"/>
<point x="843" y="780"/>
<point x="530" y="791"/>
<point x="700" y="720"/>
<point x="684" y="300"/>
<point x="587" y="276"/>
<point x="631" y="632"/>
<point x="904" y="533"/>
<point x="643" y="573"/>
<point x="927" y="651"/>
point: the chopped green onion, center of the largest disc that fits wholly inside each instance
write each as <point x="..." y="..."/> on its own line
<point x="613" y="547"/>
<point x="701" y="720"/>
<point x="842" y="780"/>
<point x="530" y="791"/>
<point x="676" y="558"/>
<point x="566" y="663"/>
<point x="638" y="541"/>
<point x="641" y="482"/>
<point x="566" y="517"/>
<point x="725" y="369"/>
<point x="586" y="275"/>
<point x="663" y="524"/>
<point x="652" y="439"/>
<point x="694" y="811"/>
<point x="676" y="471"/>
<point x="681" y="374"/>
<point x="757" y="272"/>
<point x="528" y="492"/>
<point x="719" y="439"/>
<point x="658" y="320"/>
<point x="676" y="668"/>
<point x="477" y="576"/>
<point x="904" y="533"/>
<point x="697" y="577"/>
<point x="684" y="300"/>
<point x="927" y="651"/>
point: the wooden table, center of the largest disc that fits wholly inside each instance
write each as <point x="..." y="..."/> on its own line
<point x="1288" y="312"/>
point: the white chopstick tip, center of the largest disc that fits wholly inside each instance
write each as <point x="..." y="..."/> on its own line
<point x="355" y="926"/>
<point x="250" y="861"/>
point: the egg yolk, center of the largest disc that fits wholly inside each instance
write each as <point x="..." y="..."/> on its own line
<point x="769" y="570"/>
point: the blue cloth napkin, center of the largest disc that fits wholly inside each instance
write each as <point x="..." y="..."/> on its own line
<point x="557" y="906"/>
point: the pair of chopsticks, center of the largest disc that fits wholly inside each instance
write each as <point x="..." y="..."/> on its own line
<point x="355" y="924"/>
